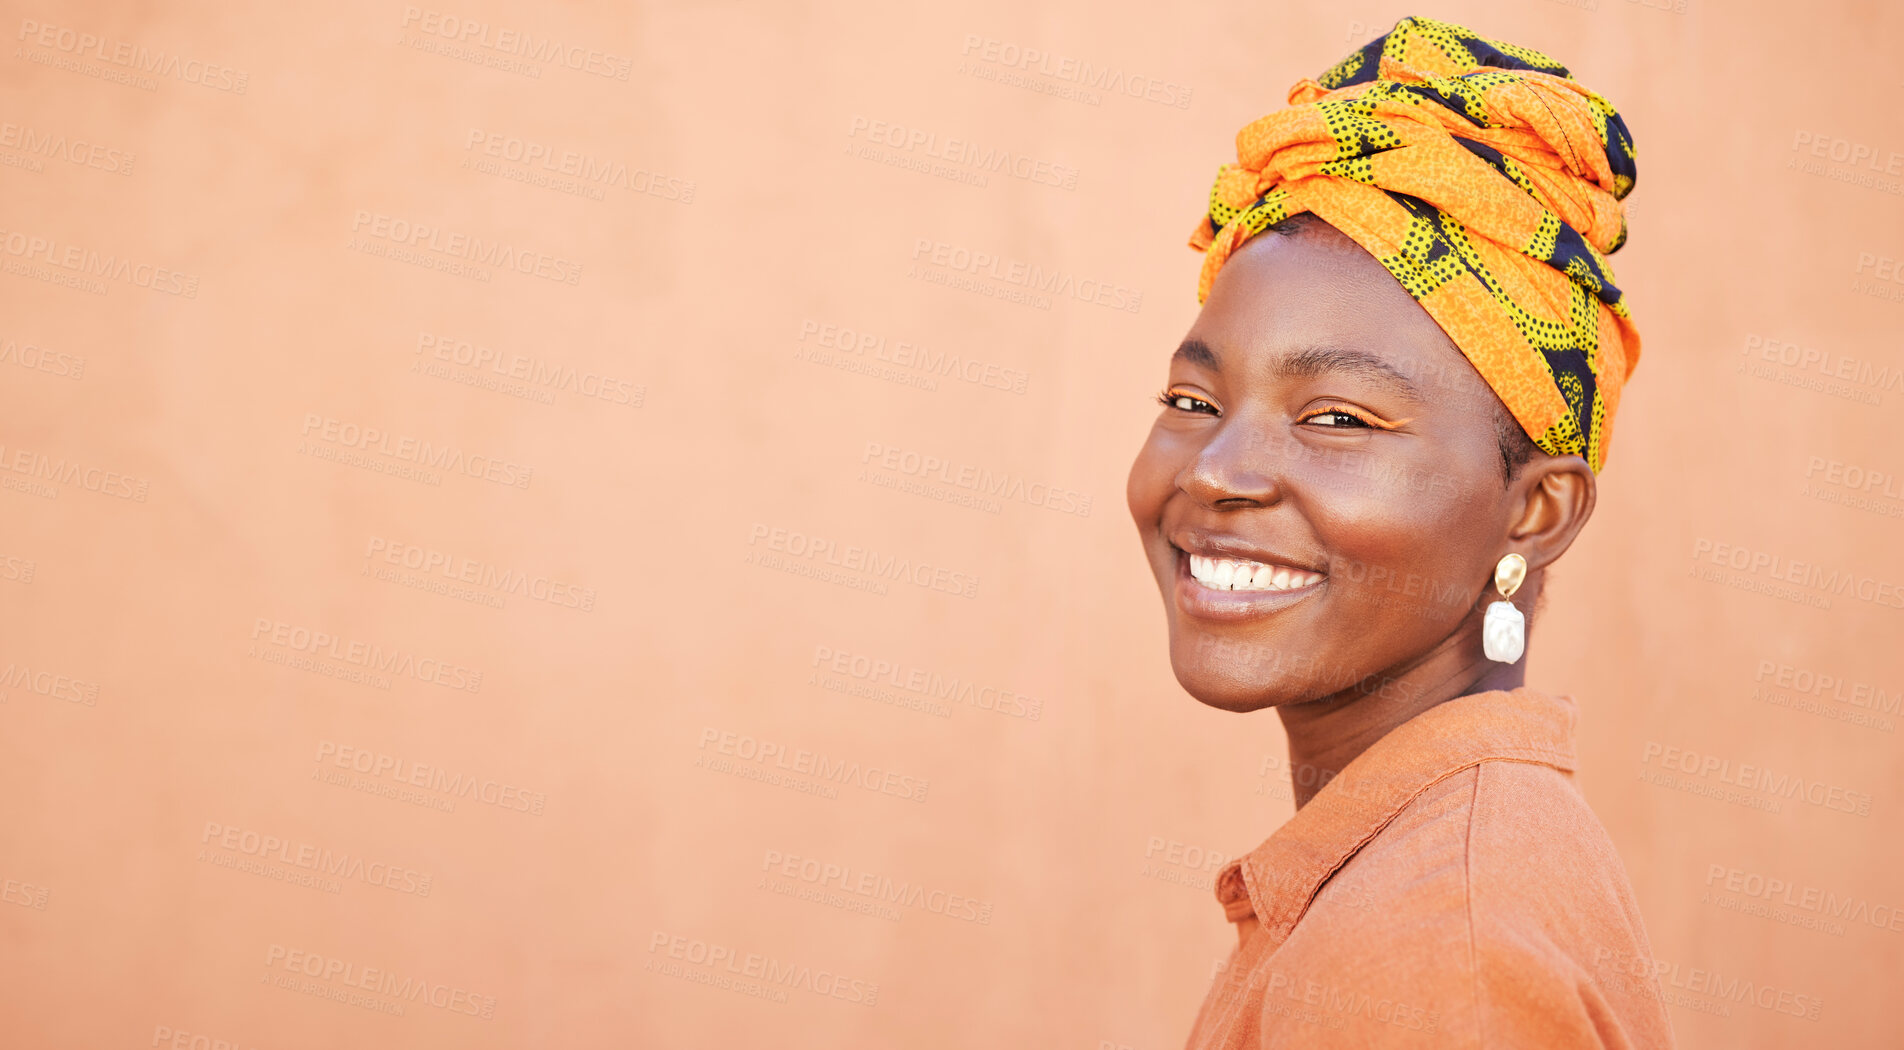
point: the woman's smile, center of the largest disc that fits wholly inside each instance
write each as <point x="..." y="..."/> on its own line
<point x="1231" y="587"/>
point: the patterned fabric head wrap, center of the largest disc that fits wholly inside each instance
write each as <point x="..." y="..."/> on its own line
<point x="1489" y="183"/>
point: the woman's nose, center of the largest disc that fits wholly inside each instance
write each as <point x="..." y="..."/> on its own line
<point x="1234" y="470"/>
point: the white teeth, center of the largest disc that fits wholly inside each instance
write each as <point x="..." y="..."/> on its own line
<point x="1230" y="574"/>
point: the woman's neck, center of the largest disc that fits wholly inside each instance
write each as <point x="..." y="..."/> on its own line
<point x="1327" y="733"/>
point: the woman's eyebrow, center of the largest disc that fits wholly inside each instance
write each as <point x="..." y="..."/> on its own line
<point x="1197" y="352"/>
<point x="1321" y="360"/>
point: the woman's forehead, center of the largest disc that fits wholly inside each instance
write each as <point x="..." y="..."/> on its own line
<point x="1314" y="302"/>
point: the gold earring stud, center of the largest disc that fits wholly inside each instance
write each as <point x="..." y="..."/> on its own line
<point x="1508" y="574"/>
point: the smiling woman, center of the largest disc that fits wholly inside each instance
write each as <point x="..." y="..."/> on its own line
<point x="1382" y="428"/>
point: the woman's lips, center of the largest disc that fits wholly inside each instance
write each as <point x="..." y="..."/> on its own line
<point x="1253" y="588"/>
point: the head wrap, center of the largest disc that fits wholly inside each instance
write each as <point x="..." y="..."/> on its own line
<point x="1489" y="183"/>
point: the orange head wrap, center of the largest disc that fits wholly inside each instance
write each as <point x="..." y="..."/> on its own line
<point x="1489" y="183"/>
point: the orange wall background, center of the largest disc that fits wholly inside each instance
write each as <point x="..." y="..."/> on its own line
<point x="450" y="487"/>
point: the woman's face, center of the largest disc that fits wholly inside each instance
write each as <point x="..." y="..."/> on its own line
<point x="1321" y="498"/>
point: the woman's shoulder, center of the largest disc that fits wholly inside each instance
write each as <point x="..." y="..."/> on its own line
<point x="1500" y="853"/>
<point x="1500" y="904"/>
<point x="1532" y="836"/>
<point x="1516" y="834"/>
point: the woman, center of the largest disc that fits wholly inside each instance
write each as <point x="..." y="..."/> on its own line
<point x="1381" y="430"/>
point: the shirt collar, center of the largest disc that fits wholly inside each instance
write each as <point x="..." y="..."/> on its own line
<point x="1277" y="880"/>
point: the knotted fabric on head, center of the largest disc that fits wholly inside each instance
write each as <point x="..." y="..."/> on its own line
<point x="1489" y="183"/>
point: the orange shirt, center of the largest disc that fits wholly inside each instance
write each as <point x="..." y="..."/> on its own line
<point x="1450" y="888"/>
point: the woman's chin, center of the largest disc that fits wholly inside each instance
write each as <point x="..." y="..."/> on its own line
<point x="1228" y="693"/>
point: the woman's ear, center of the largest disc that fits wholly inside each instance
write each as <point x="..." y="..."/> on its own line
<point x="1553" y="497"/>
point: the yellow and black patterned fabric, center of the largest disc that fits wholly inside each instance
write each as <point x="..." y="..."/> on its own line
<point x="1489" y="182"/>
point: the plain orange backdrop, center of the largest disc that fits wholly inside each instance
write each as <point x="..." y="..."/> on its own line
<point x="491" y="554"/>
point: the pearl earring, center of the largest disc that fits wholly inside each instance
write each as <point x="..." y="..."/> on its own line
<point x="1504" y="631"/>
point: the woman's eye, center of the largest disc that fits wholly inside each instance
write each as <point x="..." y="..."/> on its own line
<point x="1335" y="417"/>
<point x="1186" y="403"/>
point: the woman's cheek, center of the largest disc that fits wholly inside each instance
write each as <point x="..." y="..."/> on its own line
<point x="1410" y="568"/>
<point x="1376" y="542"/>
<point x="1342" y="502"/>
<point x="1343" y="475"/>
<point x="1143" y="489"/>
